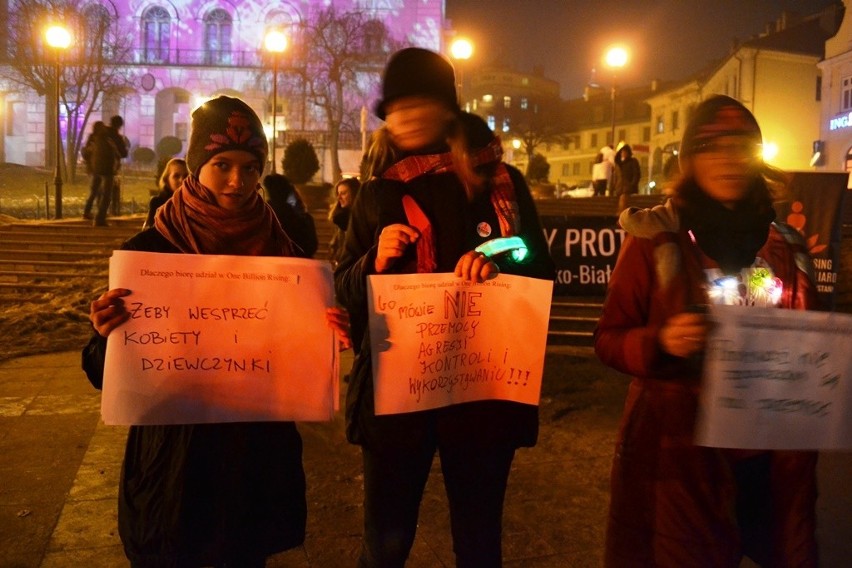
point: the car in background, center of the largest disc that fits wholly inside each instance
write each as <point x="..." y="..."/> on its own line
<point x="582" y="189"/>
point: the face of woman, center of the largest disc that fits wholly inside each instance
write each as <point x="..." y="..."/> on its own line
<point x="416" y="123"/>
<point x="232" y="176"/>
<point x="344" y="195"/>
<point x="177" y="173"/>
<point x="724" y="167"/>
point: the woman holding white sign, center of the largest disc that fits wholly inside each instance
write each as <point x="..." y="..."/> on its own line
<point x="437" y="191"/>
<point x="715" y="242"/>
<point x="209" y="494"/>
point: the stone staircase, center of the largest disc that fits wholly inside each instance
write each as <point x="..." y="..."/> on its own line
<point x="39" y="255"/>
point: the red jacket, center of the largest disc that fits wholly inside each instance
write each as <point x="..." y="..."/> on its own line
<point x="672" y="503"/>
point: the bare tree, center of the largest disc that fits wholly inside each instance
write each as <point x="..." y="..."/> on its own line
<point x="343" y="54"/>
<point x="546" y="126"/>
<point x="89" y="71"/>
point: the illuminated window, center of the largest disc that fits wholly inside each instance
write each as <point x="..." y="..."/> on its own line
<point x="217" y="37"/>
<point x="156" y="25"/>
<point x="506" y="124"/>
<point x="524" y="103"/>
<point x="374" y="37"/>
<point x="507" y="102"/>
<point x="491" y="122"/>
<point x="846" y="100"/>
<point x="661" y="125"/>
<point x="487" y="98"/>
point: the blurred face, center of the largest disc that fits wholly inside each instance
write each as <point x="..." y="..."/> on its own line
<point x="416" y="123"/>
<point x="344" y="195"/>
<point x="177" y="173"/>
<point x="232" y="176"/>
<point x="724" y="167"/>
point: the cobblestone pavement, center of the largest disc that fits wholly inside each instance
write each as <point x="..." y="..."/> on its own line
<point x="60" y="467"/>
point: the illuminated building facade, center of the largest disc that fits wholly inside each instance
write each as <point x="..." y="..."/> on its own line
<point x="833" y="149"/>
<point x="184" y="51"/>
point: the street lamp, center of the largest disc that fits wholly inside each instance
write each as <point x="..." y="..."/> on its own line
<point x="275" y="43"/>
<point x="461" y="50"/>
<point x="616" y="57"/>
<point x="59" y="39"/>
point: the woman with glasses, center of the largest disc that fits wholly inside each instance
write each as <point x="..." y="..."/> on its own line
<point x="674" y="503"/>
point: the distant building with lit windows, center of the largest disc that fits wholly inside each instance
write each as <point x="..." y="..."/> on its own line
<point x="506" y="98"/>
<point x="833" y="149"/>
<point x="185" y="51"/>
<point x="777" y="75"/>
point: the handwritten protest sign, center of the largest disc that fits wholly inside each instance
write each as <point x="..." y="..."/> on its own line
<point x="437" y="340"/>
<point x="777" y="379"/>
<point x="220" y="339"/>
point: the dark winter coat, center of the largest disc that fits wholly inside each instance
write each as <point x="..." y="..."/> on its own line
<point x="454" y="221"/>
<point x="626" y="173"/>
<point x="193" y="495"/>
<point x="104" y="150"/>
<point x="297" y="222"/>
<point x="156" y="202"/>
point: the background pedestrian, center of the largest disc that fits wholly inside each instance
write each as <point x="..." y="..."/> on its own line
<point x="172" y="177"/>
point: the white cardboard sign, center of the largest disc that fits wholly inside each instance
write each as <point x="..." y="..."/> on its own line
<point x="777" y="379"/>
<point x="437" y="340"/>
<point x="220" y="339"/>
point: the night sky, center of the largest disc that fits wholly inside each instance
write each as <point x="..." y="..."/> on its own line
<point x="669" y="39"/>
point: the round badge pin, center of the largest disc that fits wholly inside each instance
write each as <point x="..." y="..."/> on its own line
<point x="483" y="229"/>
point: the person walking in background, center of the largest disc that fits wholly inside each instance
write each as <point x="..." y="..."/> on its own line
<point x="94" y="142"/>
<point x="444" y="166"/>
<point x="172" y="177"/>
<point x="106" y="164"/>
<point x="292" y="214"/>
<point x="345" y="191"/>
<point x="601" y="174"/>
<point x="627" y="176"/>
<point x="674" y="503"/>
<point x="209" y="494"/>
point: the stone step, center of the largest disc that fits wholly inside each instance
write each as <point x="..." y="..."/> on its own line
<point x="573" y="321"/>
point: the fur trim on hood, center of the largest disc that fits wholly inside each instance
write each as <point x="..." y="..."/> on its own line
<point x="660" y="224"/>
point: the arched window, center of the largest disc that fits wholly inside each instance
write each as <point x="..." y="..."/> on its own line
<point x="96" y="22"/>
<point x="217" y="37"/>
<point x="156" y="24"/>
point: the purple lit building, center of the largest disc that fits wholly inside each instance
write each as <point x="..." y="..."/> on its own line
<point x="181" y="52"/>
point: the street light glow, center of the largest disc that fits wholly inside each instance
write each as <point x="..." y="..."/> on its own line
<point x="616" y="57"/>
<point x="461" y="48"/>
<point x="57" y="37"/>
<point x="275" y="41"/>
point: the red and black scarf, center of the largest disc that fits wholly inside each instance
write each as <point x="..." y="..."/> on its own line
<point x="502" y="191"/>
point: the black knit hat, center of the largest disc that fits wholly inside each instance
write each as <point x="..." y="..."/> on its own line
<point x="415" y="71"/>
<point x="717" y="116"/>
<point x="223" y="124"/>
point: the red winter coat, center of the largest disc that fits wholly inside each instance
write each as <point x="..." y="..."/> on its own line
<point x="673" y="503"/>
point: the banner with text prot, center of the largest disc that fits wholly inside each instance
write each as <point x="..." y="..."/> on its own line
<point x="777" y="379"/>
<point x="220" y="339"/>
<point x="437" y="340"/>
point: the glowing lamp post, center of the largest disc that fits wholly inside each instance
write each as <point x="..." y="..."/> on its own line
<point x="461" y="50"/>
<point x="275" y="43"/>
<point x="59" y="39"/>
<point x="616" y="58"/>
